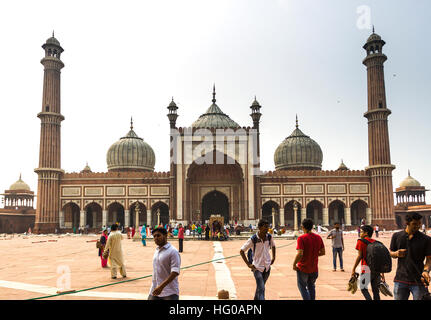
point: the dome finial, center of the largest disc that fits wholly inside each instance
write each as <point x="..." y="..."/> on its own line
<point x="373" y="29"/>
<point x="214" y="94"/>
<point x="20" y="176"/>
<point x="131" y="123"/>
<point x="409" y="172"/>
<point x="297" y="122"/>
<point x="53" y="33"/>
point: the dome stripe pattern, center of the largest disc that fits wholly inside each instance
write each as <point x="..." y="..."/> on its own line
<point x="130" y="153"/>
<point x="298" y="152"/>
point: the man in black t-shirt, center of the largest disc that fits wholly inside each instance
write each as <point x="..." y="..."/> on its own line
<point x="411" y="247"/>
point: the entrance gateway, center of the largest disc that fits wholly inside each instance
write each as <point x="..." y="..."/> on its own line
<point x="215" y="203"/>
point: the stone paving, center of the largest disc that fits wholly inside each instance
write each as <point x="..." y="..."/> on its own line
<point x="30" y="269"/>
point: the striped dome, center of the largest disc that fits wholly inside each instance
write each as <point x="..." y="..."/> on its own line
<point x="130" y="153"/>
<point x="298" y="152"/>
<point x="215" y="118"/>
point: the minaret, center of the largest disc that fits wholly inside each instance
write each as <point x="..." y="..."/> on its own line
<point x="49" y="170"/>
<point x="255" y="116"/>
<point x="255" y="113"/>
<point x="380" y="167"/>
<point x="172" y="115"/>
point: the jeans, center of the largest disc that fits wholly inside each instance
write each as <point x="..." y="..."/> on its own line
<point x="261" y="278"/>
<point x="144" y="242"/>
<point x="402" y="291"/>
<point x="306" y="284"/>
<point x="374" y="279"/>
<point x="171" y="297"/>
<point x="180" y="245"/>
<point x="338" y="251"/>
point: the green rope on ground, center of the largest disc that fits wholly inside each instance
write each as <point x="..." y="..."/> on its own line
<point x="129" y="280"/>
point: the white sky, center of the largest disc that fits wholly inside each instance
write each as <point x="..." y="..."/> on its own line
<point x="128" y="58"/>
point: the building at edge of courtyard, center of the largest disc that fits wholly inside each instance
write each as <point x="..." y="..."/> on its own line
<point x="18" y="213"/>
<point x="235" y="188"/>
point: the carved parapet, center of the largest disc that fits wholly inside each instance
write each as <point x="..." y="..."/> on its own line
<point x="107" y="175"/>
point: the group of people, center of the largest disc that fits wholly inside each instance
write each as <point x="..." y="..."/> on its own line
<point x="409" y="247"/>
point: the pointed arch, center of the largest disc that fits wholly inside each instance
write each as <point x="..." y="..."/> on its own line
<point x="164" y="213"/>
<point x="142" y="214"/>
<point x="336" y="212"/>
<point x="358" y="211"/>
<point x="289" y="214"/>
<point x="269" y="215"/>
<point x="115" y="213"/>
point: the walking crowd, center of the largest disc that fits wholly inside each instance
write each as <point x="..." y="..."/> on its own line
<point x="410" y="247"/>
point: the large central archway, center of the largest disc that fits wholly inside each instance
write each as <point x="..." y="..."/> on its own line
<point x="226" y="178"/>
<point x="214" y="203"/>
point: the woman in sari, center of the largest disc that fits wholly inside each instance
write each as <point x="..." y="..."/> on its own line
<point x="103" y="239"/>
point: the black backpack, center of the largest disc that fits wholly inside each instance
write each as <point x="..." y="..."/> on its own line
<point x="378" y="257"/>
<point x="254" y="240"/>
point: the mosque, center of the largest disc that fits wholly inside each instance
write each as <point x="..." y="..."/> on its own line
<point x="215" y="170"/>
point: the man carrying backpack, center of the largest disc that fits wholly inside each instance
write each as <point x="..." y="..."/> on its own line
<point x="369" y="273"/>
<point x="259" y="259"/>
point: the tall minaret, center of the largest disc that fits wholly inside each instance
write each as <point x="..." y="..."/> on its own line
<point x="49" y="170"/>
<point x="380" y="167"/>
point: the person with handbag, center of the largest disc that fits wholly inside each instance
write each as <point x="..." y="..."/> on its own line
<point x="103" y="240"/>
<point x="411" y="248"/>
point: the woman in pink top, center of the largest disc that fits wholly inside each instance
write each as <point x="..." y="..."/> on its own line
<point x="180" y="237"/>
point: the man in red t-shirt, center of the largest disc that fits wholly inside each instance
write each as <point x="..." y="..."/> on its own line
<point x="309" y="247"/>
<point x="180" y="237"/>
<point x="366" y="275"/>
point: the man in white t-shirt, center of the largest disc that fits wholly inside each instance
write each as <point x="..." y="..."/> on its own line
<point x="260" y="244"/>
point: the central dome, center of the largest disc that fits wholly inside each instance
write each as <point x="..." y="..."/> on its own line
<point x="130" y="153"/>
<point x="215" y="118"/>
<point x="298" y="152"/>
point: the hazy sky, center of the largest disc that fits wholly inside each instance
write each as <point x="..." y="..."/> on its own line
<point x="128" y="58"/>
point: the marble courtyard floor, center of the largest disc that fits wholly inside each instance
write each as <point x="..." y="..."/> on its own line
<point x="31" y="268"/>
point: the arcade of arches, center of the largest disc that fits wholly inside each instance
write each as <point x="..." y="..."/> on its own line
<point x="315" y="210"/>
<point x="93" y="216"/>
